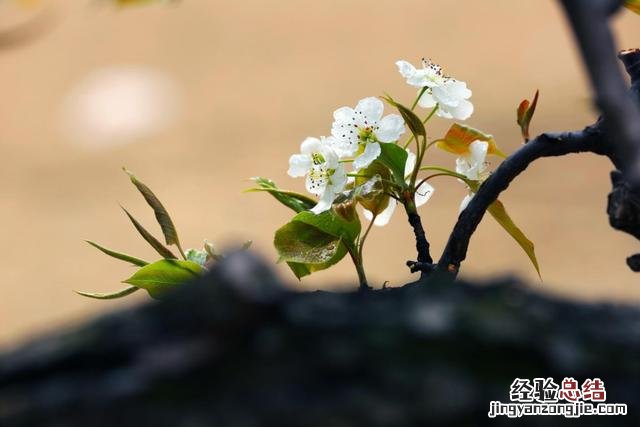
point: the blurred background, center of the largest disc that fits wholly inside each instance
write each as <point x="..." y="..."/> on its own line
<point x="195" y="97"/>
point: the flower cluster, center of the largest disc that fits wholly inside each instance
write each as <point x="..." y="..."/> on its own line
<point x="356" y="135"/>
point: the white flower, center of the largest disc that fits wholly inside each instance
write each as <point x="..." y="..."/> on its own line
<point x="473" y="166"/>
<point x="422" y="196"/>
<point x="325" y="175"/>
<point x="449" y="94"/>
<point x="430" y="75"/>
<point x="361" y="130"/>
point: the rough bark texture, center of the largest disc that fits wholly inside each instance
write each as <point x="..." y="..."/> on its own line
<point x="237" y="349"/>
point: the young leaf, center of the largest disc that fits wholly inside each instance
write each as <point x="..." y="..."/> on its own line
<point x="296" y="202"/>
<point x="114" y="295"/>
<point x="459" y="137"/>
<point x="312" y="242"/>
<point x="526" y="110"/>
<point x="164" y="275"/>
<point x="410" y="118"/>
<point x="168" y="229"/>
<point x="633" y="5"/>
<point x="302" y="243"/>
<point x="395" y="158"/>
<point x="118" y="255"/>
<point x="498" y="212"/>
<point x="155" y="244"/>
<point x="332" y="224"/>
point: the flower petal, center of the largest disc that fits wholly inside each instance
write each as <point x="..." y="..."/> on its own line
<point x="406" y="69"/>
<point x="390" y="128"/>
<point x="463" y="111"/>
<point x="317" y="180"/>
<point x="324" y="204"/>
<point x="310" y="145"/>
<point x="410" y="164"/>
<point x="299" y="165"/>
<point x="424" y="193"/>
<point x="371" y="152"/>
<point x="371" y="108"/>
<point x="427" y="100"/>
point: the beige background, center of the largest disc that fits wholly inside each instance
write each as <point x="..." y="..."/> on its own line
<point x="257" y="77"/>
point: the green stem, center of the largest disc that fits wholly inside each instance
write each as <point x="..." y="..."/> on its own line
<point x="424" y="122"/>
<point x="422" y="91"/>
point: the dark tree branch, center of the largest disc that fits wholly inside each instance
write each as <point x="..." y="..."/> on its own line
<point x="425" y="262"/>
<point x="589" y="21"/>
<point x="545" y="145"/>
<point x="616" y="135"/>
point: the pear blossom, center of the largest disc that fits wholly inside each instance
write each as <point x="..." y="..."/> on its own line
<point x="450" y="95"/>
<point x="319" y="163"/>
<point x="473" y="165"/>
<point x="360" y="130"/>
<point x="422" y="196"/>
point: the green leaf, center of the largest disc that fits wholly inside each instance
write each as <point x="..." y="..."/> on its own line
<point x="114" y="295"/>
<point x="525" y="113"/>
<point x="410" y="118"/>
<point x="118" y="255"/>
<point x="395" y="158"/>
<point x="459" y="138"/>
<point x="164" y="275"/>
<point x="155" y="243"/>
<point x="311" y="243"/>
<point x="295" y="201"/>
<point x="331" y="224"/>
<point x="168" y="229"/>
<point x="500" y="214"/>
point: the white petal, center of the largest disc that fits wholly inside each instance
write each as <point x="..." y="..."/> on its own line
<point x="424" y="193"/>
<point x="445" y="97"/>
<point x="310" y="145"/>
<point x="478" y="152"/>
<point x="324" y="204"/>
<point x="338" y="179"/>
<point x="371" y="152"/>
<point x="299" y="165"/>
<point x="343" y="114"/>
<point x="383" y="217"/>
<point x="465" y="201"/>
<point x="427" y="100"/>
<point x="371" y="108"/>
<point x="390" y="128"/>
<point x="405" y="68"/>
<point x="316" y="182"/>
<point x="411" y="163"/>
<point x="463" y="111"/>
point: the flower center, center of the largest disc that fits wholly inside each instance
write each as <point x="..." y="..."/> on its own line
<point x="366" y="135"/>
<point x="317" y="159"/>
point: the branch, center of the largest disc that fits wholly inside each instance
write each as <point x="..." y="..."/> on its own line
<point x="545" y="145"/>
<point x="589" y="21"/>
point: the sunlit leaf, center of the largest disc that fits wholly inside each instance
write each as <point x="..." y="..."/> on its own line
<point x="310" y="242"/>
<point x="633" y="5"/>
<point x="155" y="243"/>
<point x="499" y="213"/>
<point x="370" y="189"/>
<point x="459" y="138"/>
<point x="525" y="113"/>
<point x="114" y="295"/>
<point x="164" y="276"/>
<point x="296" y="202"/>
<point x="123" y="257"/>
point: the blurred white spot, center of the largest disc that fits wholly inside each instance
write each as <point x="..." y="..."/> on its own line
<point x="114" y="106"/>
